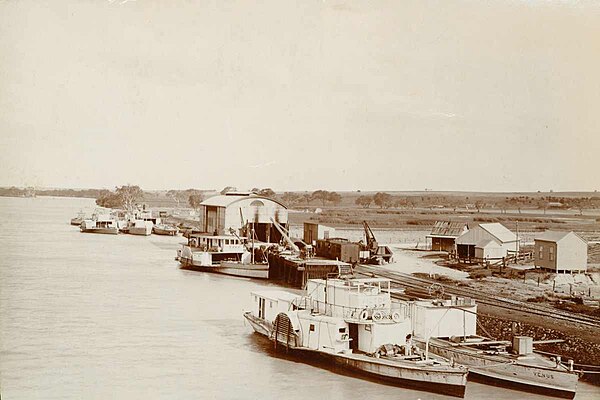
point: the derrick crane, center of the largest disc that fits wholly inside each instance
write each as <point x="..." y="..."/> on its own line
<point x="370" y="236"/>
<point x="289" y="241"/>
<point x="377" y="254"/>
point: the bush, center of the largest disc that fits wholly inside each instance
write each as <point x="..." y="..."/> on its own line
<point x="537" y="299"/>
<point x="480" y="273"/>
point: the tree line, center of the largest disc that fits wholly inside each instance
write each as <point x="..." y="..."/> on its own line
<point x="128" y="197"/>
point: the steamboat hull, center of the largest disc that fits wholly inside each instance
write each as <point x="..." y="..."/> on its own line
<point x="164" y="232"/>
<point x="444" y="380"/>
<point x="139" y="231"/>
<point x="104" y="231"/>
<point x="499" y="371"/>
<point x="255" y="271"/>
<point x="259" y="326"/>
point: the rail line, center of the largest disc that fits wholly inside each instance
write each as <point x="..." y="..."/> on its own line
<point x="419" y="287"/>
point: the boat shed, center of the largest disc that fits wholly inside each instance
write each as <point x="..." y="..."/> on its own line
<point x="237" y="211"/>
<point x="561" y="252"/>
<point x="505" y="242"/>
<point x="444" y="233"/>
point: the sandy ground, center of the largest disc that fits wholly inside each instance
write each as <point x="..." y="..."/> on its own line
<point x="409" y="262"/>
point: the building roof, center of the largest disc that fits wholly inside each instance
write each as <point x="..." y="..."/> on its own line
<point x="227" y="200"/>
<point x="556" y="236"/>
<point x="485" y="243"/>
<point x="499" y="231"/>
<point x="223" y="200"/>
<point x="448" y="228"/>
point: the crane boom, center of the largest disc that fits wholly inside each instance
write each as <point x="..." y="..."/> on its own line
<point x="372" y="244"/>
<point x="289" y="241"/>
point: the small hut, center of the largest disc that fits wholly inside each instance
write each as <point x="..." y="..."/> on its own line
<point x="444" y="233"/>
<point x="561" y="252"/>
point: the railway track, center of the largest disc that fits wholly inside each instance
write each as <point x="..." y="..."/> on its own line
<point x="418" y="287"/>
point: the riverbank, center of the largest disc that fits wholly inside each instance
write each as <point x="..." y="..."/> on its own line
<point x="581" y="342"/>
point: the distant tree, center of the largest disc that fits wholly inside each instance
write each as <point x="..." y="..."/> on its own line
<point x="290" y="198"/>
<point x="306" y="198"/>
<point x="107" y="199"/>
<point x="399" y="202"/>
<point x="228" y="189"/>
<point x="268" y="192"/>
<point x="382" y="199"/>
<point x="195" y="200"/>
<point x="364" y="201"/>
<point x="322" y="195"/>
<point x="181" y="195"/>
<point x="334" y="197"/>
<point x="479" y="205"/>
<point x="125" y="197"/>
<point x="129" y="196"/>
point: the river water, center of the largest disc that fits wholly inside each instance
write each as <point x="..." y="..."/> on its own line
<point x="86" y="316"/>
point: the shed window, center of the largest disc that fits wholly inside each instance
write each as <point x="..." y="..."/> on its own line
<point x="342" y="330"/>
<point x="551" y="253"/>
<point x="311" y="328"/>
<point x="270" y="304"/>
<point x="541" y="253"/>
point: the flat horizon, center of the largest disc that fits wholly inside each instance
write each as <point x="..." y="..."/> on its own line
<point x="428" y="191"/>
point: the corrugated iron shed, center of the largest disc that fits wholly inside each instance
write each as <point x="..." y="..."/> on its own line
<point x="555" y="236"/>
<point x="499" y="231"/>
<point x="222" y="200"/>
<point x="448" y="229"/>
<point x="227" y="200"/>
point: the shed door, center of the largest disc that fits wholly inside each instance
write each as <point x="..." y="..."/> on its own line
<point x="211" y="219"/>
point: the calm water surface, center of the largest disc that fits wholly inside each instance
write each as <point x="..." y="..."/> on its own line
<point x="86" y="316"/>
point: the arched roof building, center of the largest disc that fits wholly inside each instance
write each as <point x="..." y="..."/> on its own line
<point x="237" y="211"/>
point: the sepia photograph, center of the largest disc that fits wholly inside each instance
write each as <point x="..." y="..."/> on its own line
<point x="300" y="199"/>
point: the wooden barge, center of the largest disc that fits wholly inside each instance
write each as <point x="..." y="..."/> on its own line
<point x="296" y="271"/>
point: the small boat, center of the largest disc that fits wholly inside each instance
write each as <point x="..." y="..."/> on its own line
<point x="78" y="219"/>
<point x="352" y="323"/>
<point x="223" y="254"/>
<point x="448" y="328"/>
<point x="164" y="229"/>
<point x="139" y="227"/>
<point x="102" y="225"/>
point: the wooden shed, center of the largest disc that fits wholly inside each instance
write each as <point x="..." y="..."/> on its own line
<point x="444" y="233"/>
<point x="236" y="211"/>
<point x="488" y="250"/>
<point x="481" y="235"/>
<point x="561" y="252"/>
<point x="314" y="231"/>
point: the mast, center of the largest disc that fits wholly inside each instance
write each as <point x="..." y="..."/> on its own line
<point x="252" y="245"/>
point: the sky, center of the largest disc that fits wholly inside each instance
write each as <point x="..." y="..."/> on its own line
<point x="469" y="95"/>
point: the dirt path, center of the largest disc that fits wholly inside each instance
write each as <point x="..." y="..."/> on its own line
<point x="410" y="262"/>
